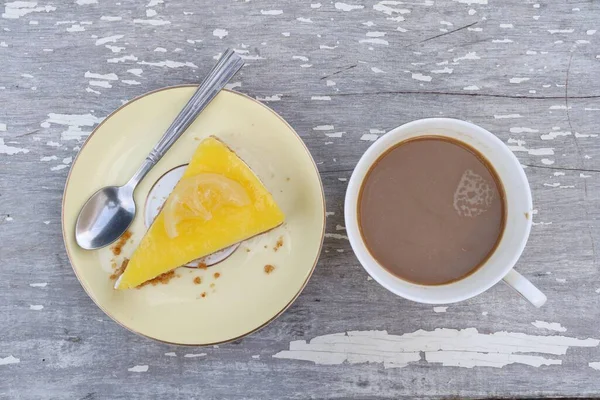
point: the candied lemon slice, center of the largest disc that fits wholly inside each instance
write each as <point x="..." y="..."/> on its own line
<point x="197" y="197"/>
<point x="218" y="202"/>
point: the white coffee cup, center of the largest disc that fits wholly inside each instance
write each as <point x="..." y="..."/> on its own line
<point x="499" y="265"/>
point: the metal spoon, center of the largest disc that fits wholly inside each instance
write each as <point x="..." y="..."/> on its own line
<point x="110" y="211"/>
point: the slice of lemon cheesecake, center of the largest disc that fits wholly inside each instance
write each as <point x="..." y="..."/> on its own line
<point x="218" y="202"/>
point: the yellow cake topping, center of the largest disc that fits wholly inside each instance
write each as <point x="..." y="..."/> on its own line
<point x="218" y="202"/>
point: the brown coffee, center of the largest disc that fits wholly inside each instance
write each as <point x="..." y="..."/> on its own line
<point x="431" y="210"/>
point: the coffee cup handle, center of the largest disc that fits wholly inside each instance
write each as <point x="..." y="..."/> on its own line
<point x="525" y="288"/>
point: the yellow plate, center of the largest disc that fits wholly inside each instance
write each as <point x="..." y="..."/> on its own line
<point x="244" y="297"/>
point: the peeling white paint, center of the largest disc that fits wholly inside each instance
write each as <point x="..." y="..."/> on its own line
<point x="421" y="77"/>
<point x="41" y="284"/>
<point x="518" y="80"/>
<point x="445" y="70"/>
<point x="75" y="28"/>
<point x="136" y="71"/>
<point x="122" y="59"/>
<point x="501" y="41"/>
<point x="595" y="365"/>
<point x="256" y="357"/>
<point x="386" y="8"/>
<point x="323" y="128"/>
<point x="370" y="137"/>
<point x="59" y="167"/>
<point x="108" y="39"/>
<point x="375" y="41"/>
<point x="522" y="130"/>
<point x="2" y="127"/>
<point x="138" y="368"/>
<point x="465" y="348"/>
<point x="321" y="98"/>
<point x="169" y="64"/>
<point x="377" y="70"/>
<point x="107" y="77"/>
<point x="220" y="33"/>
<point x="271" y="12"/>
<point x="10" y="150"/>
<point x="194" y="355"/>
<point x="469" y="56"/>
<point x="74" y="122"/>
<point x="470" y="2"/>
<point x="131" y="82"/>
<point x="17" y="9"/>
<point x="9" y="360"/>
<point x="307" y="20"/>
<point x="275" y="97"/>
<point x="553" y="31"/>
<point x="551" y="326"/>
<point x="36" y="307"/>
<point x="114" y="49"/>
<point x="554" y="134"/>
<point x="471" y="88"/>
<point x="508" y="116"/>
<point x="347" y="7"/>
<point x="171" y="354"/>
<point x="335" y="134"/>
<point x="110" y="19"/>
<point x="440" y="309"/>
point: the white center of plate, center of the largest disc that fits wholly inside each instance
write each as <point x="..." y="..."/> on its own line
<point x="157" y="197"/>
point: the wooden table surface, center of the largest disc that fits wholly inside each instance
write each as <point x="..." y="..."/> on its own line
<point x="341" y="74"/>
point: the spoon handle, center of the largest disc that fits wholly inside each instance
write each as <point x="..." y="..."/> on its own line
<point x="227" y="66"/>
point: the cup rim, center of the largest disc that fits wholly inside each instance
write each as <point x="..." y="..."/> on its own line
<point x="385" y="278"/>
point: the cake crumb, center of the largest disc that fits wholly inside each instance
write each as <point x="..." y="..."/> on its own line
<point x="163" y="278"/>
<point x="247" y="250"/>
<point x="197" y="280"/>
<point x="269" y="268"/>
<point x="203" y="294"/>
<point x="279" y="243"/>
<point x="217" y="275"/>
<point x="119" y="270"/>
<point x="202" y="265"/>
<point x="212" y="285"/>
<point x="118" y="247"/>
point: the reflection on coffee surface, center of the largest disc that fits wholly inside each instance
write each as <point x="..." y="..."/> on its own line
<point x="431" y="210"/>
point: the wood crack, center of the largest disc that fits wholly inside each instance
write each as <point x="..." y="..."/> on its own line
<point x="446" y="33"/>
<point x="436" y="93"/>
<point x="562" y="168"/>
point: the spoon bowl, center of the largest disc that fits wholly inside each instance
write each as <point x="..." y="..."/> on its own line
<point x="105" y="217"/>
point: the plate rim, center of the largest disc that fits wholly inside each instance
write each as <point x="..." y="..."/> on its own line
<point x="274" y="317"/>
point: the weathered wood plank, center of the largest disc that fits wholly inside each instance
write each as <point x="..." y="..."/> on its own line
<point x="526" y="71"/>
